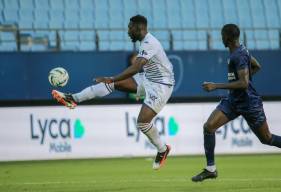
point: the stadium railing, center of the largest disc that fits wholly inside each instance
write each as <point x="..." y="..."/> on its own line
<point x="176" y="39"/>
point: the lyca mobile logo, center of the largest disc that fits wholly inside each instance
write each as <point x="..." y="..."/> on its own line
<point x="166" y="126"/>
<point x="58" y="131"/>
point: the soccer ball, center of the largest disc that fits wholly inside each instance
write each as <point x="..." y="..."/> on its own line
<point x="58" y="77"/>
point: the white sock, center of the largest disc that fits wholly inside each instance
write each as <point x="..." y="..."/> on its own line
<point x="98" y="90"/>
<point x="211" y="168"/>
<point x="153" y="135"/>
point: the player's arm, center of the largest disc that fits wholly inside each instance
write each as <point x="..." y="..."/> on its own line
<point x="129" y="72"/>
<point x="241" y="83"/>
<point x="255" y="65"/>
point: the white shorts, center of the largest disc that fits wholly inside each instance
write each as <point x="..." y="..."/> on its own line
<point x="156" y="94"/>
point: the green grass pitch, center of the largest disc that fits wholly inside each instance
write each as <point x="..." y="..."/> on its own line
<point x="246" y="173"/>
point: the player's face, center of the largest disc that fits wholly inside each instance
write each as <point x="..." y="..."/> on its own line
<point x="134" y="32"/>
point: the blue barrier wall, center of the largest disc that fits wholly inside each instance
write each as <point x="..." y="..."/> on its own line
<point x="24" y="76"/>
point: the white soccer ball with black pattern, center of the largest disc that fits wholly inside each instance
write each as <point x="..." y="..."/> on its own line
<point x="58" y="77"/>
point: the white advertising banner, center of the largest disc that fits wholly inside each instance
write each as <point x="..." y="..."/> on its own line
<point x="34" y="133"/>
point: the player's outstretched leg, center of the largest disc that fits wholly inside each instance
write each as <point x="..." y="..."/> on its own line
<point x="216" y="120"/>
<point x="144" y="124"/>
<point x="94" y="91"/>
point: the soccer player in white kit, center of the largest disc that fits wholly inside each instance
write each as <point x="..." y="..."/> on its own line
<point x="156" y="84"/>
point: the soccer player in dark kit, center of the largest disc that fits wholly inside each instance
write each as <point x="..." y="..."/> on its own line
<point x="242" y="99"/>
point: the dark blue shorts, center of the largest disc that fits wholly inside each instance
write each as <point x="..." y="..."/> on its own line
<point x="252" y="112"/>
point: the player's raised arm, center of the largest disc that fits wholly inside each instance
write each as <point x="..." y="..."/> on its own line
<point x="129" y="72"/>
<point x="241" y="83"/>
<point x="255" y="65"/>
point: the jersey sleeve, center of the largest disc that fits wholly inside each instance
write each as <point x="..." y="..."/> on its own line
<point x="241" y="62"/>
<point x="147" y="51"/>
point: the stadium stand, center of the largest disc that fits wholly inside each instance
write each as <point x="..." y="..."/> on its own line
<point x="87" y="25"/>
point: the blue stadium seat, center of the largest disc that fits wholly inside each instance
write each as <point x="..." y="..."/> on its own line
<point x="129" y="46"/>
<point x="86" y="18"/>
<point x="178" y="43"/>
<point x="173" y="13"/>
<point x="56" y="4"/>
<point x="271" y="14"/>
<point x="117" y="35"/>
<point x="26" y="14"/>
<point x="159" y="14"/>
<point x="41" y="18"/>
<point x="230" y="12"/>
<point x="250" y="39"/>
<point x="70" y="46"/>
<point x="279" y="8"/>
<point x="8" y="46"/>
<point x="262" y="39"/>
<point x="101" y="19"/>
<point x="42" y="5"/>
<point x="11" y="15"/>
<point x="243" y="9"/>
<point x="202" y="39"/>
<point x="257" y="9"/>
<point x="10" y="4"/>
<point x="87" y="4"/>
<point x="87" y="46"/>
<point x="190" y="40"/>
<point x="26" y="4"/>
<point x="216" y="13"/>
<point x="71" y="19"/>
<point x="25" y="18"/>
<point x="7" y="36"/>
<point x="274" y="39"/>
<point x="202" y="13"/>
<point x="216" y="42"/>
<point x="56" y="18"/>
<point x="69" y="36"/>
<point x="187" y="13"/>
<point x="117" y="45"/>
<point x="71" y="4"/>
<point x="101" y="4"/>
<point x="116" y="19"/>
<point x="87" y="36"/>
<point x="1" y="17"/>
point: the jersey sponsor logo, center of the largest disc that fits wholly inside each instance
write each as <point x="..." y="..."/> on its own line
<point x="231" y="76"/>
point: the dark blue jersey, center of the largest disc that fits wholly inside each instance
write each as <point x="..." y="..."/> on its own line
<point x="241" y="59"/>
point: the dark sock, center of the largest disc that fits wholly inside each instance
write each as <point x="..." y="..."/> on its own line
<point x="275" y="141"/>
<point x="209" y="146"/>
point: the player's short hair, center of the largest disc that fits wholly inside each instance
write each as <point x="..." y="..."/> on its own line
<point x="231" y="30"/>
<point x="139" y="19"/>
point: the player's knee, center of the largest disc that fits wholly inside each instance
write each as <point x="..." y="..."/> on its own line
<point x="208" y="127"/>
<point x="144" y="127"/>
<point x="266" y="140"/>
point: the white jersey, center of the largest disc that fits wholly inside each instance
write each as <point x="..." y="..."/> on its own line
<point x="158" y="69"/>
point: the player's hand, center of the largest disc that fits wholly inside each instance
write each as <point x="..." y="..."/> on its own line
<point x="104" y="79"/>
<point x="209" y="86"/>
